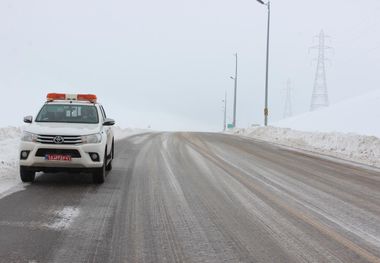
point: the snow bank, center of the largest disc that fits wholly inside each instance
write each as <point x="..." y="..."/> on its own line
<point x="9" y="143"/>
<point x="348" y="130"/>
<point x="358" y="115"/>
<point x="359" y="148"/>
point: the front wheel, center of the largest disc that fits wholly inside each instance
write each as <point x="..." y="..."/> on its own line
<point x="26" y="175"/>
<point x="99" y="175"/>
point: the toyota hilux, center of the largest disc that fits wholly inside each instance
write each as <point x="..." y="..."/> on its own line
<point x="71" y="133"/>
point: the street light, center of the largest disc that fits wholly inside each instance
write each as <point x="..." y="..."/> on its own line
<point x="266" y="112"/>
<point x="235" y="89"/>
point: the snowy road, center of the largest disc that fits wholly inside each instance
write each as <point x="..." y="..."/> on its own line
<point x="198" y="197"/>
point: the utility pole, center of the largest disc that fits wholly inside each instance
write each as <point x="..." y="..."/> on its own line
<point x="320" y="97"/>
<point x="225" y="112"/>
<point x="288" y="101"/>
<point x="266" y="110"/>
<point x="235" y="89"/>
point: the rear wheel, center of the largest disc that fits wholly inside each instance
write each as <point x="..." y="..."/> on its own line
<point x="109" y="165"/>
<point x="27" y="176"/>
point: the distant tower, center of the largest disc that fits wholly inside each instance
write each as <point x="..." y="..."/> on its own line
<point x="320" y="96"/>
<point x="288" y="101"/>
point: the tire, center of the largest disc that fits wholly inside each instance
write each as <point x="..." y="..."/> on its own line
<point x="99" y="175"/>
<point x="113" y="149"/>
<point x="26" y="175"/>
<point x="109" y="165"/>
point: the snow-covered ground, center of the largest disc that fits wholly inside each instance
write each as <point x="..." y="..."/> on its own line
<point x="349" y="130"/>
<point x="360" y="115"/>
<point x="353" y="147"/>
<point x="9" y="144"/>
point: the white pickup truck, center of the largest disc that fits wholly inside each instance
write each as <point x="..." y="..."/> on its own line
<point x="71" y="133"/>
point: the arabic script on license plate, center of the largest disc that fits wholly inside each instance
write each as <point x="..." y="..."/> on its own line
<point x="58" y="157"/>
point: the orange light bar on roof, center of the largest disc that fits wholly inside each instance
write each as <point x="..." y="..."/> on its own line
<point x="88" y="97"/>
<point x="61" y="96"/>
<point x="55" y="96"/>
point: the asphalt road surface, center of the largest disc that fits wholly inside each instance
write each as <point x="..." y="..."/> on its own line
<point x="198" y="197"/>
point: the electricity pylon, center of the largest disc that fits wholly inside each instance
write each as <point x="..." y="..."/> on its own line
<point x="288" y="101"/>
<point x="320" y="96"/>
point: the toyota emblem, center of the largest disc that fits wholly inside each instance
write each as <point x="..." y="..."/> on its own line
<point x="58" y="140"/>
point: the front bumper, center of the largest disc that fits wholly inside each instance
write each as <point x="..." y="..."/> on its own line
<point x="82" y="162"/>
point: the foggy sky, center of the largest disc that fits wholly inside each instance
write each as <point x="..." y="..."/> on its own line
<point x="167" y="63"/>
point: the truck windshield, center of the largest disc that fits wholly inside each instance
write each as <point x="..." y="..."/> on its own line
<point x="68" y="113"/>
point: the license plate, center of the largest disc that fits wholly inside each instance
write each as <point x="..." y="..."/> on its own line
<point x="57" y="157"/>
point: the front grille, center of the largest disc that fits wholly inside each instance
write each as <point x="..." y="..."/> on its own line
<point x="43" y="152"/>
<point x="64" y="139"/>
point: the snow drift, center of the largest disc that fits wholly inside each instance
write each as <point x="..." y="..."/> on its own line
<point x="359" y="148"/>
<point x="360" y="115"/>
<point x="348" y="130"/>
<point x="9" y="142"/>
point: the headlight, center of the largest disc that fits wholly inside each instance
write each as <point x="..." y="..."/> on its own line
<point x="92" y="138"/>
<point x="28" y="137"/>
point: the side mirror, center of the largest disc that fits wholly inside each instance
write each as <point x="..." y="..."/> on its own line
<point x="28" y="119"/>
<point x="108" y="122"/>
